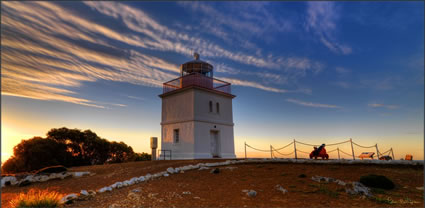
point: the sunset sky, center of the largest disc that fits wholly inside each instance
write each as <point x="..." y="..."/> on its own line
<point x="318" y="72"/>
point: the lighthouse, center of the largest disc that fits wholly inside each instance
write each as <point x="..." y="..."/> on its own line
<point x="197" y="116"/>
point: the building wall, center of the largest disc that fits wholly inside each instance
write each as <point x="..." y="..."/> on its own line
<point x="189" y="112"/>
<point x="178" y="107"/>
<point x="184" y="149"/>
<point x="202" y="99"/>
<point x="203" y="140"/>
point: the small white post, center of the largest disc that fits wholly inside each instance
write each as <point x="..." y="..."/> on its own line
<point x="271" y="152"/>
<point x="295" y="149"/>
<point x="352" y="148"/>
<point x="245" y="150"/>
<point x="154" y="145"/>
<point x="377" y="151"/>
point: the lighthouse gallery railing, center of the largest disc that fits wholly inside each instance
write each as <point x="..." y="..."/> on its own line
<point x="199" y="80"/>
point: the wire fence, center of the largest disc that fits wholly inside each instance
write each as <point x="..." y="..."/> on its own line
<point x="280" y="152"/>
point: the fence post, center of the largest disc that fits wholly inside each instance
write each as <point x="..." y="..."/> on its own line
<point x="352" y="148"/>
<point x="271" y="152"/>
<point x="295" y="150"/>
<point x="338" y="153"/>
<point x="392" y="152"/>
<point x="245" y="150"/>
<point x="377" y="151"/>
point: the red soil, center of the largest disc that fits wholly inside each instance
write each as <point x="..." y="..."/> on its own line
<point x="225" y="188"/>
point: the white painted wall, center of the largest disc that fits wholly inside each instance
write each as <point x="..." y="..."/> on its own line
<point x="188" y="111"/>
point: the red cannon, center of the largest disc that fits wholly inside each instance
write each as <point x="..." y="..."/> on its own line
<point x="319" y="152"/>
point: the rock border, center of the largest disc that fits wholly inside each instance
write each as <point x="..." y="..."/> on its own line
<point x="33" y="178"/>
<point x="204" y="166"/>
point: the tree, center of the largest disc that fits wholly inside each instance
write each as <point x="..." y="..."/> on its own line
<point x="68" y="147"/>
<point x="120" y="152"/>
<point x="36" y="153"/>
<point x="142" y="156"/>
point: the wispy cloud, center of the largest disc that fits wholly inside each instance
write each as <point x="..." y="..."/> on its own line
<point x="252" y="84"/>
<point x="49" y="51"/>
<point x="310" y="104"/>
<point x="322" y="18"/>
<point x="379" y="105"/>
<point x="136" y="98"/>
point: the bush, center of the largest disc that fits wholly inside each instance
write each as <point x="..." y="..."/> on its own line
<point x="37" y="198"/>
<point x="68" y="147"/>
<point x="142" y="157"/>
<point x="377" y="181"/>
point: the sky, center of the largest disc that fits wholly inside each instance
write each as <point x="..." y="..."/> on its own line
<point x="317" y="72"/>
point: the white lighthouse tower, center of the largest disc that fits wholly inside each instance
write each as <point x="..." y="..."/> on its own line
<point x="197" y="117"/>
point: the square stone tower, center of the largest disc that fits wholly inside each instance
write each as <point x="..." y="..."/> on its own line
<point x="197" y="117"/>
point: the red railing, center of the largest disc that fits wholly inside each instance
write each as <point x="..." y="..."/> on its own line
<point x="198" y="80"/>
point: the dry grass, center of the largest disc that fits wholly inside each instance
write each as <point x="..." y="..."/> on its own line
<point x="37" y="198"/>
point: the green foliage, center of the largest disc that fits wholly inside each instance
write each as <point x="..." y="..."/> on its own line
<point x="37" y="198"/>
<point x="142" y="156"/>
<point x="387" y="200"/>
<point x="36" y="153"/>
<point x="68" y="147"/>
<point x="377" y="181"/>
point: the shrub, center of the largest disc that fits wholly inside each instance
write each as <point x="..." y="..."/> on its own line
<point x="377" y="181"/>
<point x="37" y="198"/>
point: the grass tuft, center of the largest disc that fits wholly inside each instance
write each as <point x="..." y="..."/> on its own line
<point x="387" y="200"/>
<point x="37" y="198"/>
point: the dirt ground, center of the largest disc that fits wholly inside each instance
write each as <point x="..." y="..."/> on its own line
<point x="200" y="188"/>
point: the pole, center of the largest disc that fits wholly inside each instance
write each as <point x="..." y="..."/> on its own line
<point x="352" y="148"/>
<point x="392" y="152"/>
<point x="377" y="152"/>
<point x="338" y="153"/>
<point x="295" y="150"/>
<point x="245" y="150"/>
<point x="271" y="152"/>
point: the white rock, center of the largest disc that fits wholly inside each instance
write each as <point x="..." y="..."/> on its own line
<point x="80" y="174"/>
<point x="203" y="168"/>
<point x="68" y="198"/>
<point x="36" y="178"/>
<point x="84" y="193"/>
<point x="187" y="167"/>
<point x="104" y="189"/>
<point x="119" y="184"/>
<point x="126" y="183"/>
<point x="166" y="175"/>
<point x="177" y="170"/>
<point x="142" y="178"/>
<point x="251" y="193"/>
<point x="148" y="176"/>
<point x="186" y="192"/>
<point x="170" y="170"/>
<point x="44" y="178"/>
<point x="134" y="180"/>
<point x="6" y="179"/>
<point x="281" y="189"/>
<point x="339" y="182"/>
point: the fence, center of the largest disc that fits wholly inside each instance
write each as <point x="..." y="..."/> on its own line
<point x="277" y="151"/>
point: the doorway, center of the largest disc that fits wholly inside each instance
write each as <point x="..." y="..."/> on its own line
<point x="215" y="144"/>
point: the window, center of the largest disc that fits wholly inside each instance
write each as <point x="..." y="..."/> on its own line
<point x="218" y="107"/>
<point x="211" y="106"/>
<point x="176" y="136"/>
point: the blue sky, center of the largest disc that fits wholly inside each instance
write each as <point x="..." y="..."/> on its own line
<point x="319" y="72"/>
